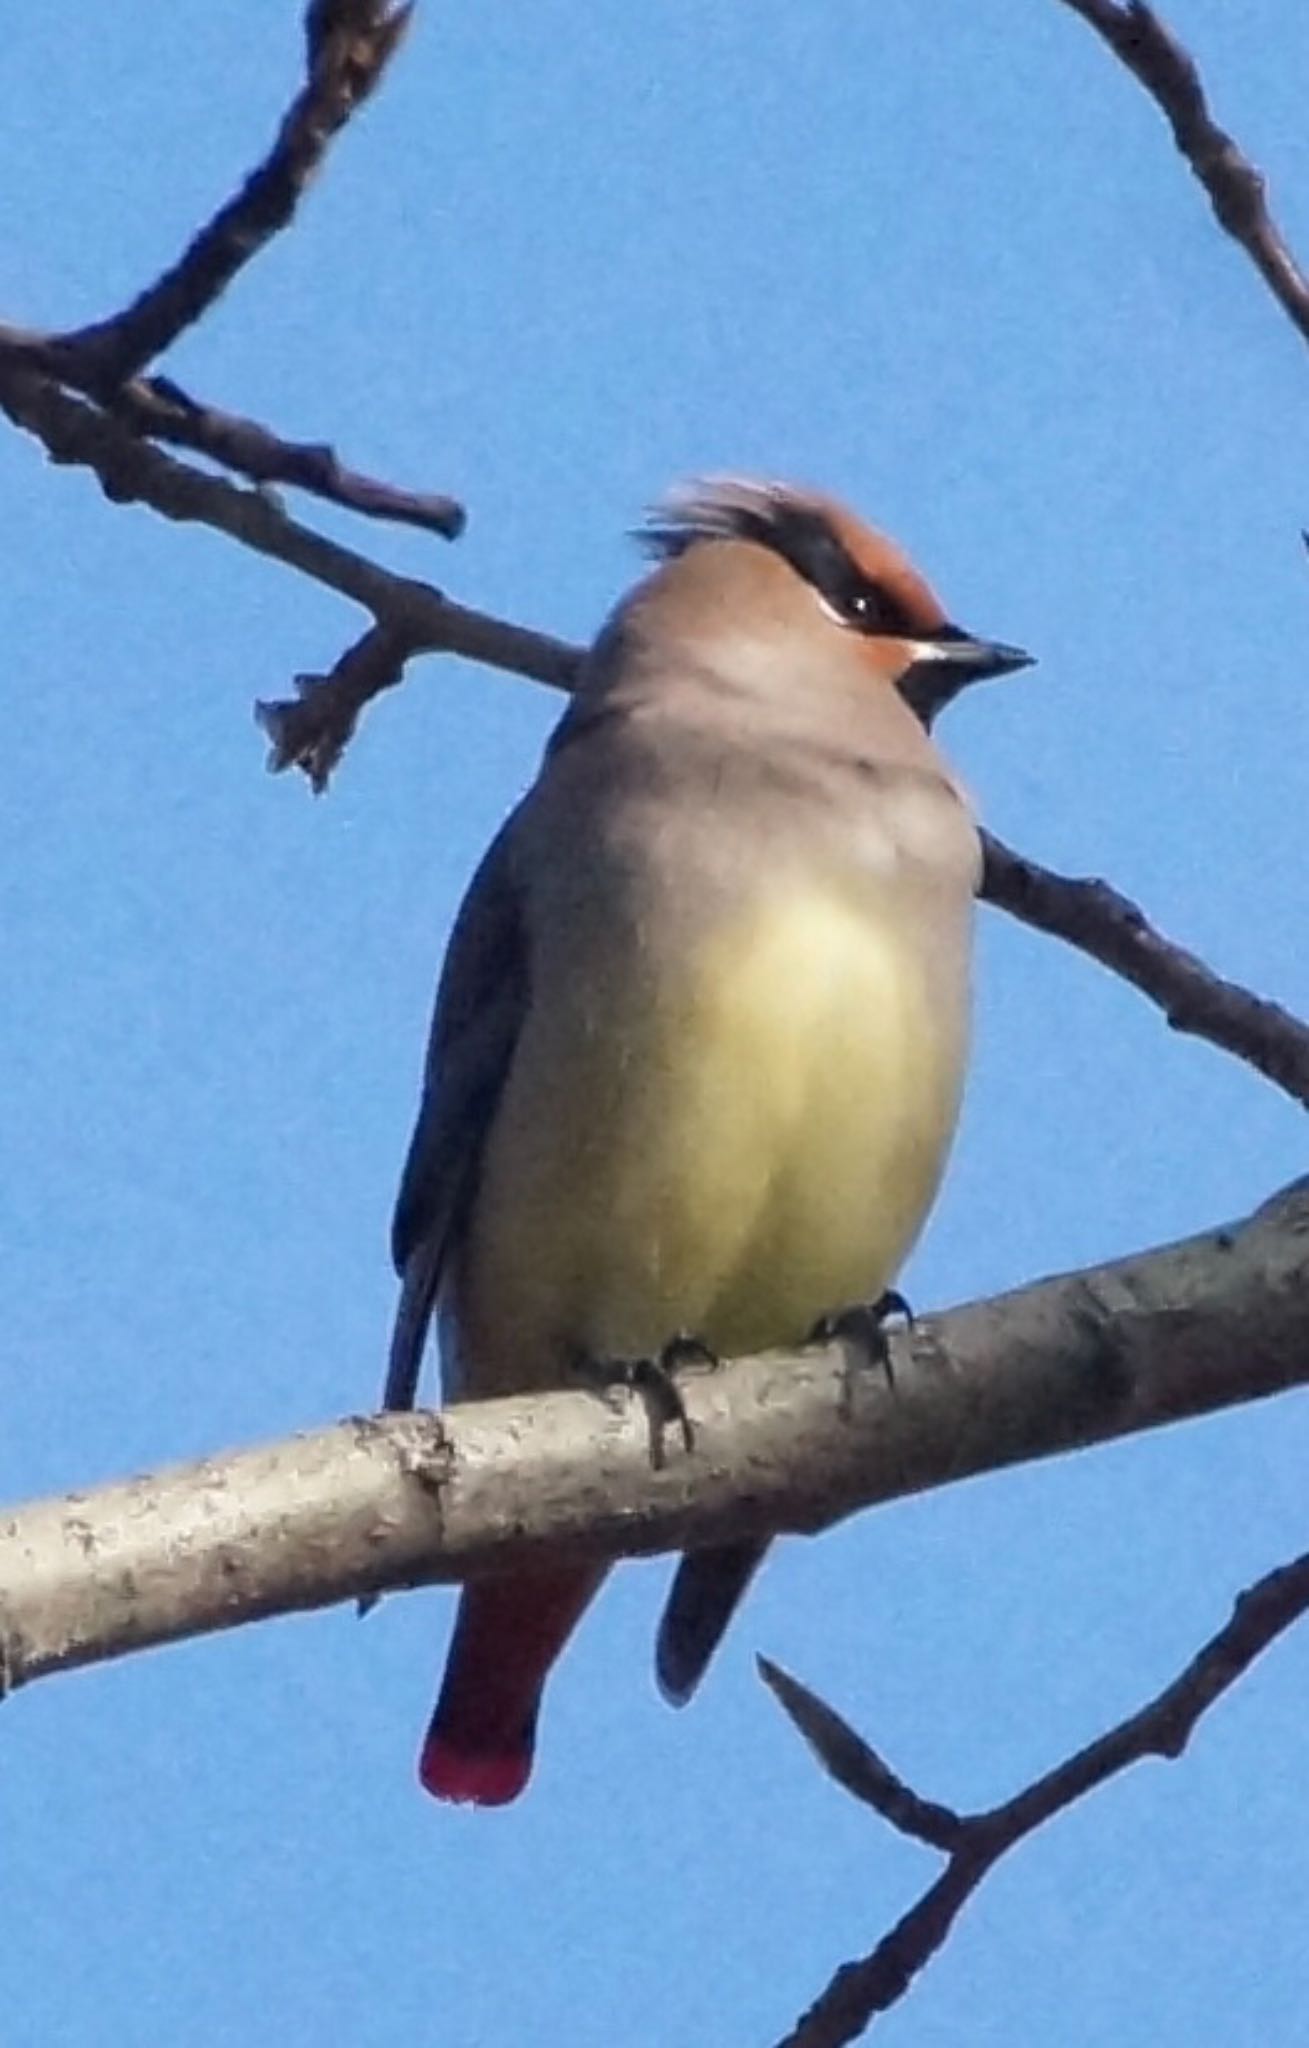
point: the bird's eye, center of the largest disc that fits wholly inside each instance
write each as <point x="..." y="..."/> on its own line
<point x="866" y="608"/>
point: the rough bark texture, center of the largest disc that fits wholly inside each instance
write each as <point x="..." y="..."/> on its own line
<point x="785" y="1441"/>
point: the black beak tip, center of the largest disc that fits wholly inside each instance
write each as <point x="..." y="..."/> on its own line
<point x="1004" y="661"/>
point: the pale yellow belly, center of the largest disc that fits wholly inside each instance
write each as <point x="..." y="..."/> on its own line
<point x="748" y="1146"/>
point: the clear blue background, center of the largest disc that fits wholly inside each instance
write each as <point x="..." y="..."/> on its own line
<point x="943" y="260"/>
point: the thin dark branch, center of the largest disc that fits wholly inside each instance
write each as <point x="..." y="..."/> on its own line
<point x="159" y="410"/>
<point x="1098" y="920"/>
<point x="861" y="1990"/>
<point x="312" y="730"/>
<point x="1236" y="189"/>
<point x="131" y="471"/>
<point x="856" y="1765"/>
<point x="348" y="45"/>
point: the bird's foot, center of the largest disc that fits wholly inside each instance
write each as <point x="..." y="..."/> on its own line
<point x="652" y="1378"/>
<point x="863" y="1323"/>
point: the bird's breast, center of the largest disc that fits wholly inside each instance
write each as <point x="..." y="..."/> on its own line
<point x="729" y="1127"/>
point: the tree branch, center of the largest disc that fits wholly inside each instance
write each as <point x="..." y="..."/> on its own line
<point x="348" y="44"/>
<point x="974" y="1843"/>
<point x="130" y="471"/>
<point x="1237" y="192"/>
<point x="1115" y="931"/>
<point x="157" y="409"/>
<point x="160" y="410"/>
<point x="312" y="730"/>
<point x="788" y="1442"/>
<point x="857" y="1767"/>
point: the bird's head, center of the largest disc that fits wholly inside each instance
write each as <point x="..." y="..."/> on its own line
<point x="852" y="578"/>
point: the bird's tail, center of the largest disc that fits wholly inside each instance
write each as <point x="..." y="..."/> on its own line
<point x="704" y="1596"/>
<point x="507" y="1635"/>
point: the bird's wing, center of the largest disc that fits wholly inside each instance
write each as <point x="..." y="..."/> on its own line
<point x="480" y="1005"/>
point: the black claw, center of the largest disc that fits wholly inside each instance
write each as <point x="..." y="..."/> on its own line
<point x="686" y="1349"/>
<point x="864" y="1324"/>
<point x="652" y="1379"/>
<point x="892" y="1303"/>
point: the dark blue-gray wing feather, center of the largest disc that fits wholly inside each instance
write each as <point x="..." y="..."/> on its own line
<point x="480" y="1004"/>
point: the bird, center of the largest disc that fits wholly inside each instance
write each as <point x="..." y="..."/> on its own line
<point x="701" y="1030"/>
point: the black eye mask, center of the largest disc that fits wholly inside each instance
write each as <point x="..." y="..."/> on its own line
<point x="802" y="535"/>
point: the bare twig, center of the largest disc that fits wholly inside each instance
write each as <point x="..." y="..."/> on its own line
<point x="159" y="410"/>
<point x="1236" y="190"/>
<point x="312" y="730"/>
<point x="1113" y="930"/>
<point x="974" y="1843"/>
<point x="348" y="45"/>
<point x="856" y="1765"/>
<point x="781" y="1444"/>
<point x="131" y="471"/>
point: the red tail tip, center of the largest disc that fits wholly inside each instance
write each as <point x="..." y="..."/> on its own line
<point x="467" y="1778"/>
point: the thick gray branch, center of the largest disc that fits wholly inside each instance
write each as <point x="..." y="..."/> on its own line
<point x="783" y="1442"/>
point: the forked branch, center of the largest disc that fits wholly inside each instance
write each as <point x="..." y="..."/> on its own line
<point x="974" y="1843"/>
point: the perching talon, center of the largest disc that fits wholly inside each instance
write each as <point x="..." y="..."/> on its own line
<point x="652" y="1378"/>
<point x="863" y="1325"/>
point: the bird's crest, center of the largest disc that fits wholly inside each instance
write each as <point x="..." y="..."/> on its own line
<point x="859" y="574"/>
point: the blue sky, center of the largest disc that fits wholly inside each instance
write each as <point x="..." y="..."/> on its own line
<point x="941" y="260"/>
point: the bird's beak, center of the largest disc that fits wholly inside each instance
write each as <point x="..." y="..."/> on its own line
<point x="948" y="663"/>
